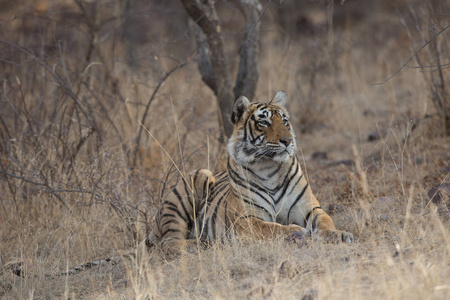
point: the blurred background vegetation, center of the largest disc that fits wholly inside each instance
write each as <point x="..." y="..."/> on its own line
<point x="82" y="79"/>
<point x="100" y="99"/>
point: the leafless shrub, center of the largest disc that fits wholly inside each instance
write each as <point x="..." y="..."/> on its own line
<point x="428" y="26"/>
<point x="65" y="116"/>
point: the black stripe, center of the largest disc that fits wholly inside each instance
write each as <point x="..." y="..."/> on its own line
<point x="251" y="203"/>
<point x="231" y="172"/>
<point x="296" y="200"/>
<point x="276" y="171"/>
<point x="314" y="222"/>
<point x="310" y="212"/>
<point x="220" y="189"/>
<point x="283" y="181"/>
<point x="220" y="174"/>
<point x="250" y="130"/>
<point x="188" y="192"/>
<point x="186" y="212"/>
<point x="288" y="181"/>
<point x="249" y="152"/>
<point x="295" y="184"/>
<point x="169" y="230"/>
<point x="253" y="190"/>
<point x="167" y="216"/>
<point x="211" y="221"/>
<point x="214" y="216"/>
<point x="167" y="202"/>
<point x="195" y="176"/>
<point x="293" y="163"/>
<point x="210" y="229"/>
<point x="287" y="186"/>
<point x="177" y="194"/>
<point x="204" y="188"/>
<point x="177" y="211"/>
<point x="221" y="179"/>
<point x="256" y="175"/>
<point x="245" y="129"/>
<point x="227" y="225"/>
<point x="170" y="222"/>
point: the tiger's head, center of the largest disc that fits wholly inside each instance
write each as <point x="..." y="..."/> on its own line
<point x="261" y="131"/>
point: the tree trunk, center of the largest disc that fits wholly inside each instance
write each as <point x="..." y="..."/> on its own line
<point x="212" y="62"/>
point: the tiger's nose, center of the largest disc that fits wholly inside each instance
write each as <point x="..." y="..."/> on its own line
<point x="286" y="141"/>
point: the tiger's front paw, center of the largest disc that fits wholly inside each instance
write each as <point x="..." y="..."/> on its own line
<point x="347" y="237"/>
<point x="292" y="228"/>
<point x="337" y="236"/>
<point x="297" y="238"/>
<point x="174" y="248"/>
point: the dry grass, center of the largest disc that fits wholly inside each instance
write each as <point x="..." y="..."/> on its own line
<point x="72" y="99"/>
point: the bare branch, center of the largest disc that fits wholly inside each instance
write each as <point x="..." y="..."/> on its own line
<point x="55" y="76"/>
<point x="144" y="116"/>
<point x="413" y="56"/>
<point x="205" y="16"/>
<point x="203" y="59"/>
<point x="44" y="184"/>
<point x="248" y="72"/>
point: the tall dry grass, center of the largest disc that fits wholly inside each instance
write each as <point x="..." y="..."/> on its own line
<point x="77" y="78"/>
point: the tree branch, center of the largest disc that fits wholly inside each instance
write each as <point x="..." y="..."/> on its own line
<point x="203" y="59"/>
<point x="144" y="116"/>
<point x="44" y="184"/>
<point x="413" y="56"/>
<point x="205" y="16"/>
<point x="248" y="72"/>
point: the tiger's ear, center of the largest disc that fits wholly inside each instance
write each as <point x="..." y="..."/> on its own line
<point x="239" y="108"/>
<point x="279" y="99"/>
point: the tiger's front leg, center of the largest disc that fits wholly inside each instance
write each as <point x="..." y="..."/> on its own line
<point x="323" y="225"/>
<point x="255" y="228"/>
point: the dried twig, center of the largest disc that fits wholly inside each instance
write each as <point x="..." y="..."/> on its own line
<point x="44" y="184"/>
<point x="412" y="57"/>
<point x="147" y="107"/>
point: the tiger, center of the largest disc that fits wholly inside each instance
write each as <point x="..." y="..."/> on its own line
<point x="263" y="192"/>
